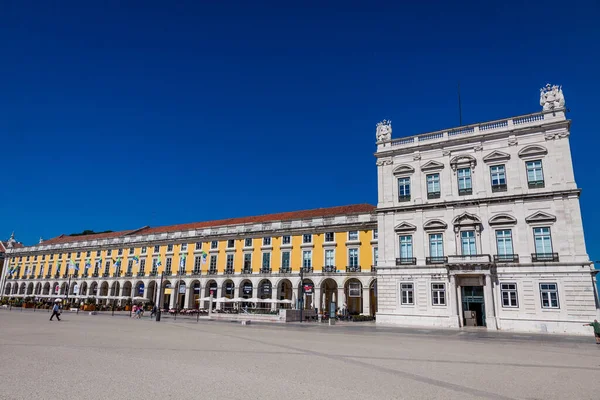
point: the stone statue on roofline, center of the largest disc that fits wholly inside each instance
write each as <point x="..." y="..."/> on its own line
<point x="384" y="130"/>
<point x="552" y="97"/>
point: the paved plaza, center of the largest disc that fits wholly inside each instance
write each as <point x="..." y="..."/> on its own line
<point x="104" y="357"/>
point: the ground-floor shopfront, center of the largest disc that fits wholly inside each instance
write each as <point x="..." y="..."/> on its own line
<point x="513" y="298"/>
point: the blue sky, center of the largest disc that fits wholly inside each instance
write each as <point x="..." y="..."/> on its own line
<point x="117" y="115"/>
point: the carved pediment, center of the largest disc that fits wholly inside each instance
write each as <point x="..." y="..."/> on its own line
<point x="403" y="169"/>
<point x="462" y="161"/>
<point x="502" y="219"/>
<point x="466" y="219"/>
<point x="404" y="227"/>
<point x="436" y="224"/>
<point x="432" y="166"/>
<point x="496" y="155"/>
<point x="540" y="217"/>
<point x="533" y="150"/>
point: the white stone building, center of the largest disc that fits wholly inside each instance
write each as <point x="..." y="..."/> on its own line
<point x="484" y="218"/>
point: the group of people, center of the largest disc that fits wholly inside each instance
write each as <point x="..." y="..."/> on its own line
<point x="137" y="311"/>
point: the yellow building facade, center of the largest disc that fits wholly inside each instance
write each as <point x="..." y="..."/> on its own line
<point x="315" y="259"/>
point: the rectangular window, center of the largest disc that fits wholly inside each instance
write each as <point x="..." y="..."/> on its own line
<point x="286" y="239"/>
<point x="213" y="263"/>
<point x="168" y="267"/>
<point x="60" y="256"/>
<point x="306" y="259"/>
<point x="403" y="189"/>
<point x="549" y="294"/>
<point x="375" y="255"/>
<point x="509" y="295"/>
<point x="183" y="246"/>
<point x="248" y="242"/>
<point x="228" y="261"/>
<point x="504" y="244"/>
<point x="406" y="249"/>
<point x="198" y="264"/>
<point x="329" y="258"/>
<point x="436" y="247"/>
<point x="156" y="249"/>
<point x="230" y="244"/>
<point x="375" y="234"/>
<point x="44" y="256"/>
<point x="433" y="186"/>
<point x="266" y="261"/>
<point x="144" y="249"/>
<point x="267" y="241"/>
<point x="307" y="238"/>
<point x="87" y="254"/>
<point x="535" y="174"/>
<point x="464" y="181"/>
<point x="407" y="294"/>
<point x="285" y="260"/>
<point x="97" y="254"/>
<point x="131" y="250"/>
<point x="329" y="237"/>
<point x="352" y="236"/>
<point x="198" y="245"/>
<point x="169" y="247"/>
<point x="214" y="244"/>
<point x="52" y="255"/>
<point x="353" y="258"/>
<point x="543" y="242"/>
<point x="467" y="240"/>
<point x="438" y="293"/>
<point x="354" y="289"/>
<point x="498" y="177"/>
<point x="247" y="261"/>
<point x="120" y="252"/>
<point x="155" y="266"/>
<point x="106" y="268"/>
<point x="129" y="266"/>
<point x="142" y="266"/>
<point x="108" y="252"/>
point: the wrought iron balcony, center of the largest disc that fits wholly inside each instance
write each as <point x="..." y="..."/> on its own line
<point x="57" y="275"/>
<point x="85" y="275"/>
<point x="265" y="270"/>
<point x="353" y="268"/>
<point x="76" y="275"/>
<point x="307" y="269"/>
<point x="506" y="258"/>
<point x="196" y="273"/>
<point x="465" y="191"/>
<point x="436" y="260"/>
<point x="330" y="269"/>
<point x="535" y="184"/>
<point x="31" y="276"/>
<point x="128" y="274"/>
<point x="247" y="271"/>
<point x="285" y="270"/>
<point x="65" y="276"/>
<point x="544" y="257"/>
<point x="470" y="259"/>
<point x="406" y="261"/>
<point x="95" y="275"/>
<point x="48" y="276"/>
<point x="499" y="188"/>
<point x="168" y="273"/>
<point x="404" y="197"/>
<point x="141" y="274"/>
<point x="153" y="273"/>
<point x="212" y="271"/>
<point x="229" y="271"/>
<point x="373" y="268"/>
<point x="116" y="274"/>
<point x="105" y="275"/>
<point x="433" y="195"/>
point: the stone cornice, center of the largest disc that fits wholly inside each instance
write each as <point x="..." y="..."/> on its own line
<point x="483" y="201"/>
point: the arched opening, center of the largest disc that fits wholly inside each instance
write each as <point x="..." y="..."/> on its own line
<point x="7" y="289"/>
<point x="30" y="288"/>
<point x="63" y="288"/>
<point x="167" y="289"/>
<point x="211" y="290"/>
<point x="115" y="289"/>
<point x="127" y="289"/>
<point x="228" y="292"/>
<point x="83" y="289"/>
<point x="55" y="288"/>
<point x="104" y="289"/>
<point x="246" y="289"/>
<point x="72" y="290"/>
<point x="180" y="289"/>
<point x="329" y="296"/>
<point x="285" y="292"/>
<point x="353" y="293"/>
<point x="139" y="289"/>
<point x="308" y="288"/>
<point x="93" y="290"/>
<point x="46" y="290"/>
<point x="265" y="291"/>
<point x="151" y="291"/>
<point x="195" y="295"/>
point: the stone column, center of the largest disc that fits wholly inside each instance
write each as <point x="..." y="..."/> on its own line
<point x="317" y="298"/>
<point x="174" y="291"/>
<point x="459" y="305"/>
<point x="340" y="298"/>
<point x="490" y="312"/>
<point x="219" y="295"/>
<point x="273" y="298"/>
<point x="189" y="294"/>
<point x="453" y="302"/>
<point x="366" y="300"/>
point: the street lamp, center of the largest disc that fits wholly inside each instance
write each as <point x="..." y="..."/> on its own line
<point x="116" y="283"/>
<point x="301" y="300"/>
<point x="160" y="290"/>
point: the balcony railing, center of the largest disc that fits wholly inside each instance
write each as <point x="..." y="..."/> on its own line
<point x="499" y="188"/>
<point x="128" y="274"/>
<point x="506" y="258"/>
<point x="329" y="269"/>
<point x="433" y="195"/>
<point x="105" y="275"/>
<point x="405" y="197"/>
<point x="31" y="276"/>
<point x="470" y="259"/>
<point x="406" y="261"/>
<point x="436" y="260"/>
<point x="465" y="192"/>
<point x="65" y="276"/>
<point x="373" y="268"/>
<point x="141" y="274"/>
<point x="535" y="184"/>
<point x="57" y="275"/>
<point x="247" y="271"/>
<point x="196" y="273"/>
<point x="95" y="275"/>
<point x="48" y="276"/>
<point x="116" y="275"/>
<point x="544" y="257"/>
<point x="153" y="273"/>
<point x="265" y="270"/>
<point x="229" y="271"/>
<point x="353" y="268"/>
<point x="85" y="275"/>
<point x="285" y="270"/>
<point x="307" y="270"/>
<point x="212" y="271"/>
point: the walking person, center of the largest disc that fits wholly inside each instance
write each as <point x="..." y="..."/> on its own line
<point x="596" y="326"/>
<point x="154" y="311"/>
<point x="55" y="311"/>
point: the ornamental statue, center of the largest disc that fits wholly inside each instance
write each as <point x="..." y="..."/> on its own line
<point x="384" y="130"/>
<point x="551" y="97"/>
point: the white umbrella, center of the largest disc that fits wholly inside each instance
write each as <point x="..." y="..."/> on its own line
<point x="142" y="299"/>
<point x="285" y="301"/>
<point x="58" y="300"/>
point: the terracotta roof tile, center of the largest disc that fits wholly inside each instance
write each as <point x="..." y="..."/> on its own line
<point x="284" y="216"/>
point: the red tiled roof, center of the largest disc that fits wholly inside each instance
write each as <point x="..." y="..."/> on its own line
<point x="284" y="216"/>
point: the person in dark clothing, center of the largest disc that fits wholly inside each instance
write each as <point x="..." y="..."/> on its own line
<point x="596" y="326"/>
<point x="55" y="311"/>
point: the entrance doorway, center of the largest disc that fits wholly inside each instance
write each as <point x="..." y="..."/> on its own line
<point x="472" y="300"/>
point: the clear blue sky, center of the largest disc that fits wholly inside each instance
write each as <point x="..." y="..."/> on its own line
<point x="122" y="114"/>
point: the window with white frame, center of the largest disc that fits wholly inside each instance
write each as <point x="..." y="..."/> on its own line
<point x="543" y="241"/>
<point x="438" y="294"/>
<point x="352" y="236"/>
<point x="267" y="241"/>
<point x="535" y="174"/>
<point x="354" y="289"/>
<point x="404" y="189"/>
<point x="375" y="234"/>
<point x="78" y="255"/>
<point x="406" y="247"/>
<point x="169" y="247"/>
<point x="549" y="295"/>
<point x="213" y="263"/>
<point x="307" y="238"/>
<point x="247" y="261"/>
<point x="106" y="268"/>
<point x="498" y="178"/>
<point x="436" y="246"/>
<point x="97" y="254"/>
<point x="467" y="243"/>
<point x="329" y="237"/>
<point x="228" y="261"/>
<point x="266" y="261"/>
<point x="183" y="246"/>
<point x="142" y="266"/>
<point x="131" y="250"/>
<point x="329" y="258"/>
<point x="286" y="239"/>
<point x="156" y="249"/>
<point x="504" y="244"/>
<point x="129" y="266"/>
<point x="87" y="254"/>
<point x="375" y="255"/>
<point x="155" y="266"/>
<point x="198" y="264"/>
<point x="407" y="293"/>
<point x="168" y="267"/>
<point x="198" y="245"/>
<point x="248" y="242"/>
<point x="464" y="181"/>
<point x="144" y="249"/>
<point x="214" y="244"/>
<point x="353" y="258"/>
<point x="285" y="260"/>
<point x="307" y="259"/>
<point x="120" y="252"/>
<point x="230" y="244"/>
<point x="508" y="291"/>
<point x="433" y="186"/>
<point x="109" y="252"/>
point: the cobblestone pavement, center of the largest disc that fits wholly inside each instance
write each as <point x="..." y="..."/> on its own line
<point x="104" y="357"/>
